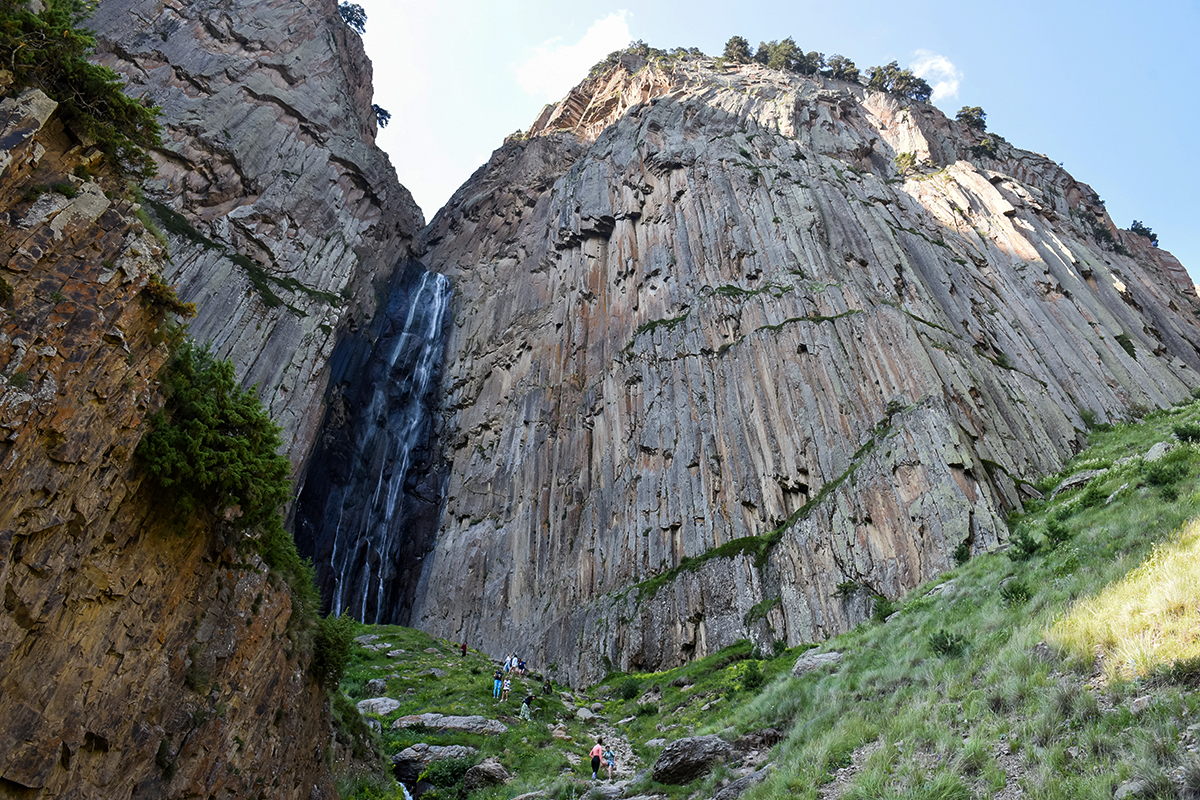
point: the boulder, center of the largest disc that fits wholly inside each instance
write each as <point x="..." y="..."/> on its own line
<point x="377" y="705"/>
<point x="736" y="788"/>
<point x="1133" y="788"/>
<point x="684" y="760"/>
<point x="1158" y="451"/>
<point x="490" y="773"/>
<point x="810" y="662"/>
<point x="585" y="714"/>
<point x="597" y="708"/>
<point x="410" y="762"/>
<point x="376" y="687"/>
<point x="441" y="722"/>
<point x="1080" y="479"/>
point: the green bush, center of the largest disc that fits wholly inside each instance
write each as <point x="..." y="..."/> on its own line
<point x="647" y="709"/>
<point x="331" y="649"/>
<point x="47" y="51"/>
<point x="1057" y="533"/>
<point x="881" y="608"/>
<point x="1187" y="432"/>
<point x="986" y="148"/>
<point x="1165" y="472"/>
<point x="962" y="553"/>
<point x="629" y="688"/>
<point x="1127" y="344"/>
<point x="446" y="773"/>
<point x="904" y="163"/>
<point x="1093" y="495"/>
<point x="6" y="291"/>
<point x="213" y="446"/>
<point x="753" y="677"/>
<point x="161" y="296"/>
<point x="1014" y="593"/>
<point x="1023" y="546"/>
<point x="944" y="643"/>
<point x="973" y="117"/>
<point x="1142" y="230"/>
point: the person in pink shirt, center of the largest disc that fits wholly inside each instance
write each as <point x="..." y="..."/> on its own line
<point x="597" y="751"/>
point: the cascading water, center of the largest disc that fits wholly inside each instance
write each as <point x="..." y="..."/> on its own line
<point x="368" y="505"/>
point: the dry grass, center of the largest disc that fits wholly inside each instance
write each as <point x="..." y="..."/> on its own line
<point x="1145" y="622"/>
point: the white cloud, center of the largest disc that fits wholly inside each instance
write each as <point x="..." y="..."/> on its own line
<point x="555" y="67"/>
<point x="941" y="74"/>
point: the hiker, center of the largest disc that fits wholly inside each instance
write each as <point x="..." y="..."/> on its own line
<point x="610" y="760"/>
<point x="497" y="677"/>
<point x="597" y="751"/>
<point x="464" y="648"/>
<point x="547" y="688"/>
<point x="507" y="686"/>
<point x="521" y="667"/>
<point x="526" y="706"/>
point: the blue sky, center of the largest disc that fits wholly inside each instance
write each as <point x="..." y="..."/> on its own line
<point x="1108" y="89"/>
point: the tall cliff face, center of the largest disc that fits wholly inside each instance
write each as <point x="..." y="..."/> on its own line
<point x="280" y="210"/>
<point x="712" y="355"/>
<point x="136" y="660"/>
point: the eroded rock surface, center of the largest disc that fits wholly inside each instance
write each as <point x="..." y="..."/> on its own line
<point x="684" y="760"/>
<point x="138" y="657"/>
<point x="712" y="355"/>
<point x="279" y="208"/>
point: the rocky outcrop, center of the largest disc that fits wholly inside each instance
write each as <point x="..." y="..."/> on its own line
<point x="715" y="351"/>
<point x="472" y="723"/>
<point x="489" y="772"/>
<point x="684" y="760"/>
<point x="281" y="212"/>
<point x="137" y="658"/>
<point x="409" y="763"/>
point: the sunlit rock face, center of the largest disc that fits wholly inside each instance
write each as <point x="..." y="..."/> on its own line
<point x="139" y="657"/>
<point x="280" y="210"/>
<point x="712" y="356"/>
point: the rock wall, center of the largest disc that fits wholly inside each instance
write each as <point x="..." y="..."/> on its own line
<point x="281" y="212"/>
<point x="136" y="660"/>
<point x="713" y="354"/>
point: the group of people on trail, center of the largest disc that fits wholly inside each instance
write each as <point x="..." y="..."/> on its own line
<point x="601" y="752"/>
<point x="515" y="664"/>
<point x="502" y="682"/>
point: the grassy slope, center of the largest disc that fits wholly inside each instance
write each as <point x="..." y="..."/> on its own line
<point x="995" y="676"/>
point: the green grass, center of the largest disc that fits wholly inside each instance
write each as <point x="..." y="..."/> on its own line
<point x="990" y="681"/>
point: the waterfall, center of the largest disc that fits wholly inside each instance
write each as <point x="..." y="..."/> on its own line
<point x="360" y="509"/>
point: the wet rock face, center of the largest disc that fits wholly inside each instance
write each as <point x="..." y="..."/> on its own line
<point x="368" y="509"/>
<point x="712" y="355"/>
<point x="279" y="208"/>
<point x="137" y="659"/>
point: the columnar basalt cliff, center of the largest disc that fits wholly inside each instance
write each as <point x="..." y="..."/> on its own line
<point x="280" y="210"/>
<point x="713" y="355"/>
<point x="139" y="659"/>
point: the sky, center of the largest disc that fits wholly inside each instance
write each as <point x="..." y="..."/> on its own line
<point x="1108" y="89"/>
